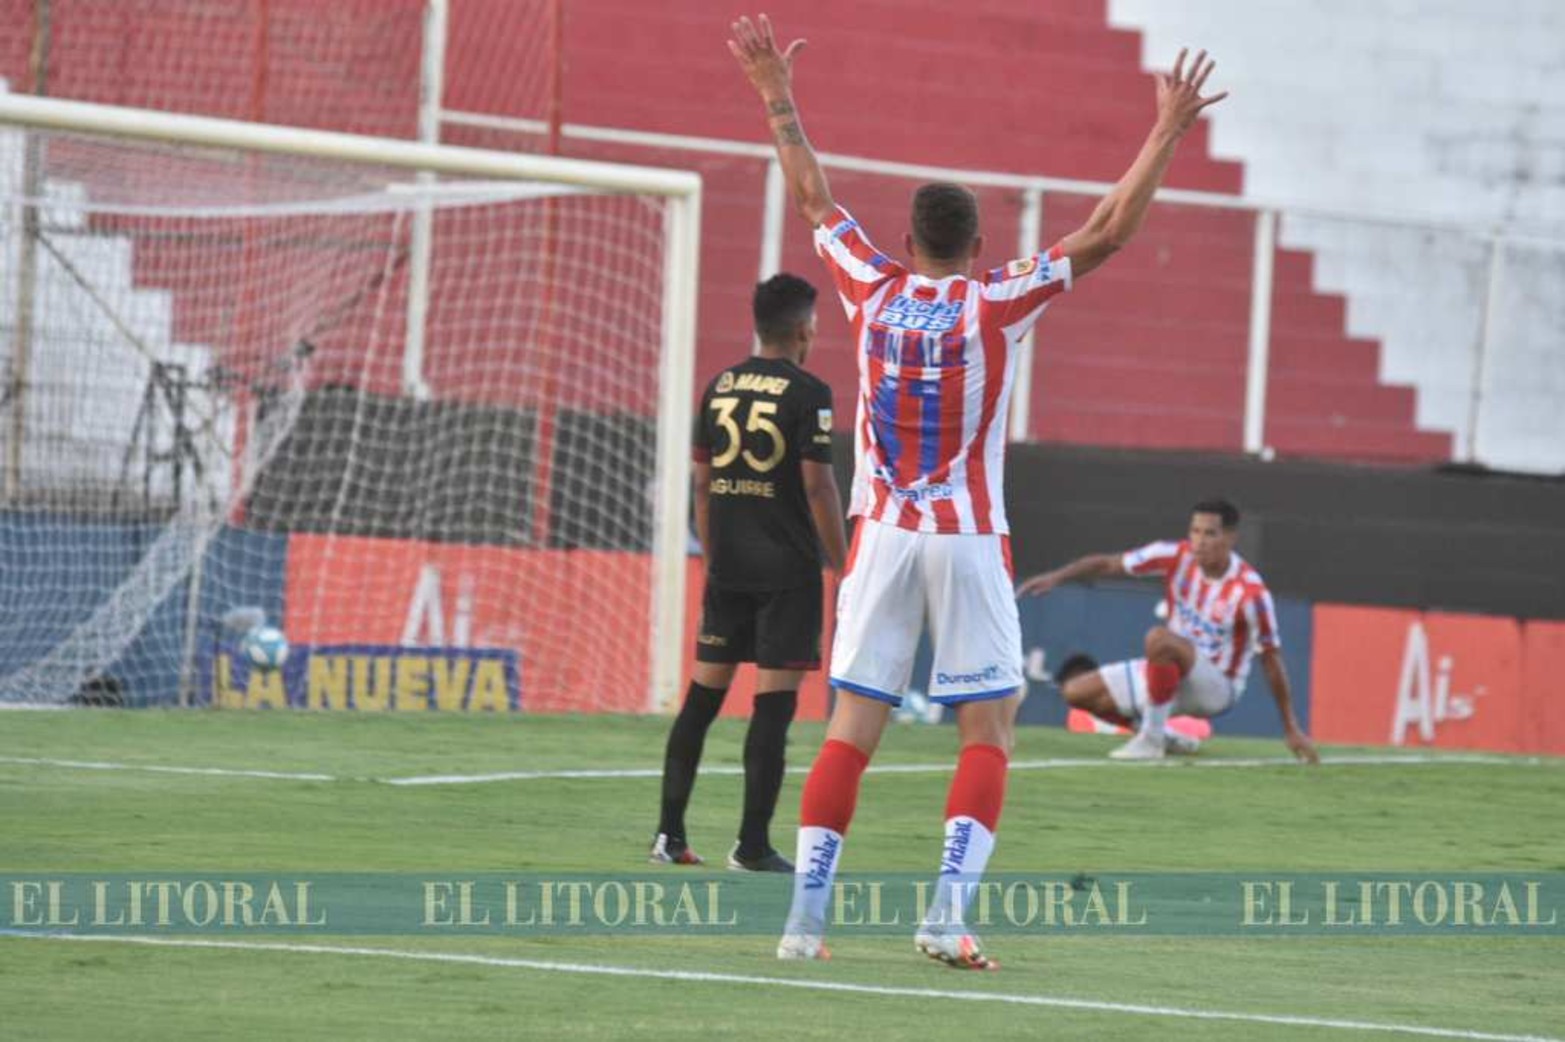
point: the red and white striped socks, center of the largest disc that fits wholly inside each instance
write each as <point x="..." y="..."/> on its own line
<point x="1162" y="681"/>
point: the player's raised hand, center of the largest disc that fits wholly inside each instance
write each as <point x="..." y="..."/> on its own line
<point x="769" y="70"/>
<point x="1300" y="745"/>
<point x="1038" y="585"/>
<point x="1179" y="99"/>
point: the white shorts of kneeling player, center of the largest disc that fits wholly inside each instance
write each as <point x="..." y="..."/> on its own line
<point x="1203" y="692"/>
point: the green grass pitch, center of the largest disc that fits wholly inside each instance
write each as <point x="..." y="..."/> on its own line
<point x="1338" y="818"/>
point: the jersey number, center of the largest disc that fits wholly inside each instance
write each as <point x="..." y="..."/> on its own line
<point x="755" y="420"/>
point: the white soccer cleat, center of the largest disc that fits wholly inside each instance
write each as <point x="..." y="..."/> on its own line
<point x="671" y="852"/>
<point x="960" y="951"/>
<point x="803" y="938"/>
<point x="803" y="946"/>
<point x="1142" y="747"/>
<point x="1176" y="744"/>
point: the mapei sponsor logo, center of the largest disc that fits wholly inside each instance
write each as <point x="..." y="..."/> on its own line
<point x="985" y="675"/>
<point x="757" y="383"/>
<point x="922" y="316"/>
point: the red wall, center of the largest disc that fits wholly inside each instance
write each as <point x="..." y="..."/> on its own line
<point x="576" y="618"/>
<point x="1384" y="676"/>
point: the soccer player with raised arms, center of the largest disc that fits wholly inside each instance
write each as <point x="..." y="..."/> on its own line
<point x="767" y="509"/>
<point x="935" y="347"/>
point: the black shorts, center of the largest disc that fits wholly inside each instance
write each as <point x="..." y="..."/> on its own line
<point x="775" y="629"/>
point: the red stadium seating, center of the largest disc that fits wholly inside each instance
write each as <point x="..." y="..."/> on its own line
<point x="1149" y="352"/>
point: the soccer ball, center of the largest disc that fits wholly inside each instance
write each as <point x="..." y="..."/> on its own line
<point x="916" y="708"/>
<point x="265" y="647"/>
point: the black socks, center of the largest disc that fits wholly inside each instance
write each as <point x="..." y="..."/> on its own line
<point x="683" y="755"/>
<point x="765" y="746"/>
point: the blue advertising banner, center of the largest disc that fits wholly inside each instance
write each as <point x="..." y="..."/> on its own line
<point x="58" y="571"/>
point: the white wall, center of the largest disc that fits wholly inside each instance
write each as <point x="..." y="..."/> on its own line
<point x="1423" y="110"/>
<point x="86" y="378"/>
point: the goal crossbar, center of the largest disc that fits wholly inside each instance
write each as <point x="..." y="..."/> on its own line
<point x="147" y="125"/>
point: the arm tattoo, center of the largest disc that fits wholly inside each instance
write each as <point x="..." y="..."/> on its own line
<point x="789" y="133"/>
<point x="780" y="108"/>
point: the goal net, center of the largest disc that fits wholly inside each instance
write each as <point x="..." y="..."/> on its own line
<point x="237" y="389"/>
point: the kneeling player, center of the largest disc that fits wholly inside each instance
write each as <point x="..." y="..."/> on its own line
<point x="1219" y="612"/>
<point x="763" y="489"/>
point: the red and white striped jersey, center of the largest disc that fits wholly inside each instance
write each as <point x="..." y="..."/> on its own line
<point x="1226" y="618"/>
<point x="936" y="360"/>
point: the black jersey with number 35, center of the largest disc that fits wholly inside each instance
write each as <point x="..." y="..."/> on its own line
<point x="759" y="421"/>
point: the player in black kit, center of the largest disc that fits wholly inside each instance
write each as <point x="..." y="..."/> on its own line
<point x="767" y="513"/>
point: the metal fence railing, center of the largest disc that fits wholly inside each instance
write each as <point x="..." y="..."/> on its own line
<point x="1469" y="320"/>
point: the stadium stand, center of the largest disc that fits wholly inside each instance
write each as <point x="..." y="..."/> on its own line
<point x="1373" y="329"/>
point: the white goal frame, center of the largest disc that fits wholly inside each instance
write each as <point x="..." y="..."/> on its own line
<point x="681" y="258"/>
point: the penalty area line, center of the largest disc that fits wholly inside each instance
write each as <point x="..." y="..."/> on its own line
<point x="841" y="987"/>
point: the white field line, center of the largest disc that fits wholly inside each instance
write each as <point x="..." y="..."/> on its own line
<point x="945" y="768"/>
<point x="1059" y="763"/>
<point x="93" y="765"/>
<point x="755" y="980"/>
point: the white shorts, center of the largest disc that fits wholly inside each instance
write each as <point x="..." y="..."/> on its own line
<point x="959" y="586"/>
<point x="1204" y="692"/>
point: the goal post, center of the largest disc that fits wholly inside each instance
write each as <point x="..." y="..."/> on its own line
<point x="682" y="252"/>
<point x="234" y="227"/>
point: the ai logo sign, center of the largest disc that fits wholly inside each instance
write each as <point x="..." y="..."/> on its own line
<point x="426" y="617"/>
<point x="1420" y="704"/>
